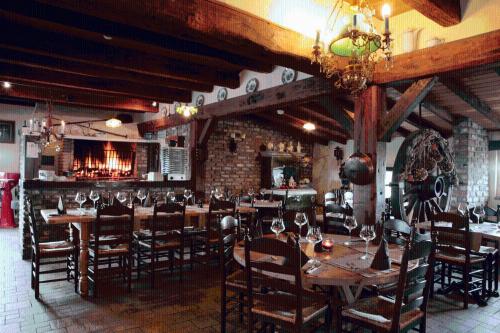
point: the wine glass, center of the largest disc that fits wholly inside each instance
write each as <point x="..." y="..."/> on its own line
<point x="350" y="224"/>
<point x="314" y="236"/>
<point x="170" y="196"/>
<point x="367" y="233"/>
<point x="80" y="199"/>
<point x="218" y="194"/>
<point x="300" y="220"/>
<point x="462" y="208"/>
<point x="187" y="195"/>
<point x="141" y="195"/>
<point x="120" y="196"/>
<point x="277" y="226"/>
<point x="479" y="212"/>
<point x="94" y="196"/>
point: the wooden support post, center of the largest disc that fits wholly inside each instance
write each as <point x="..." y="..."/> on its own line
<point x="369" y="199"/>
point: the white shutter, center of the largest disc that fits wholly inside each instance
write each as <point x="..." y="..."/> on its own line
<point x="175" y="163"/>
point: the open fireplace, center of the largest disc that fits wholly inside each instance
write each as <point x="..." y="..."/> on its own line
<point x="104" y="160"/>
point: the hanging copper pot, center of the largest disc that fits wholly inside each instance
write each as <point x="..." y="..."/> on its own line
<point x="359" y="169"/>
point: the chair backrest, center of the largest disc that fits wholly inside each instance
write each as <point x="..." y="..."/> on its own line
<point x="414" y="285"/>
<point x="227" y="239"/>
<point x="167" y="223"/>
<point x="280" y="263"/>
<point x="35" y="237"/>
<point x="396" y="231"/>
<point x="217" y="209"/>
<point x="116" y="220"/>
<point x="452" y="239"/>
<point x="333" y="212"/>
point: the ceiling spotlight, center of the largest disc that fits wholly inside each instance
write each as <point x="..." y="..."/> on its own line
<point x="154" y="104"/>
<point x="309" y="127"/>
<point x="113" y="122"/>
<point x="107" y="37"/>
<point x="6" y="84"/>
<point x="280" y="112"/>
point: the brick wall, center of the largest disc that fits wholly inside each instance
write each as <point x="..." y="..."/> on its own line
<point x="470" y="149"/>
<point x="241" y="170"/>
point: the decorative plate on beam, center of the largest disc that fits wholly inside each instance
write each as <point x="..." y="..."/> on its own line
<point x="222" y="94"/>
<point x="200" y="100"/>
<point x="288" y="75"/>
<point x="252" y="86"/>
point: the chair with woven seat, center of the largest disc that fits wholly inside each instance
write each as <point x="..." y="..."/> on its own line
<point x="110" y="252"/>
<point x="409" y="308"/>
<point x="461" y="268"/>
<point x="285" y="303"/>
<point x="50" y="253"/>
<point x="158" y="252"/>
<point x="204" y="247"/>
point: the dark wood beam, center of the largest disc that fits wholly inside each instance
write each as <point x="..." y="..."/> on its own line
<point x="63" y="47"/>
<point x="403" y="131"/>
<point x="208" y="127"/>
<point x="405" y="105"/>
<point x="297" y="92"/>
<point x="50" y="18"/>
<point x="162" y="123"/>
<point x="469" y="97"/>
<point x="33" y="76"/>
<point x="208" y="22"/>
<point x="422" y="123"/>
<point x="295" y="130"/>
<point x="77" y="97"/>
<point x="444" y="12"/>
<point x="444" y="58"/>
<point x="335" y="109"/>
<point x="50" y="63"/>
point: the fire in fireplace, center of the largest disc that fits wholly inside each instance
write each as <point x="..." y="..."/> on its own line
<point x="103" y="160"/>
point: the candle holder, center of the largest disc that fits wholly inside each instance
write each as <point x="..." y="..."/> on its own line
<point x="327" y="245"/>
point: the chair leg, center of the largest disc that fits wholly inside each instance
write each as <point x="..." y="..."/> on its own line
<point x="152" y="267"/>
<point x="139" y="264"/>
<point x="77" y="270"/>
<point x="223" y="309"/>
<point x="129" y="270"/>
<point x="466" y="279"/>
<point x="181" y="262"/>
<point x="37" y="278"/>
<point x="443" y="272"/>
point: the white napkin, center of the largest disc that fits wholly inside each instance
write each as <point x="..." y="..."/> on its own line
<point x="377" y="318"/>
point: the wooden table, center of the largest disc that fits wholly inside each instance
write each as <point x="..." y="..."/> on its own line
<point x="349" y="281"/>
<point x="82" y="223"/>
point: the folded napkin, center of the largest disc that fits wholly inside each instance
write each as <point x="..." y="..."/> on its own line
<point x="377" y="318"/>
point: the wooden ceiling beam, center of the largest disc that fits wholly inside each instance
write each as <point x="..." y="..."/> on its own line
<point x="76" y="97"/>
<point x="442" y="59"/>
<point x="209" y="126"/>
<point x="324" y="131"/>
<point x="405" y="105"/>
<point x="444" y="12"/>
<point x="36" y="76"/>
<point x="297" y="92"/>
<point x="308" y="113"/>
<point x="68" y="48"/>
<point x="469" y="97"/>
<point x="422" y="123"/>
<point x="49" y="63"/>
<point x="337" y="110"/>
<point x="50" y="18"/>
<point x="208" y="22"/>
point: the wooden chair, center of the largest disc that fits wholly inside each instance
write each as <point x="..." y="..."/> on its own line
<point x="285" y="303"/>
<point x="396" y="231"/>
<point x="157" y="252"/>
<point x="409" y="309"/>
<point x="333" y="218"/>
<point x="204" y="247"/>
<point x="458" y="261"/>
<point x="112" y="231"/>
<point x="50" y="253"/>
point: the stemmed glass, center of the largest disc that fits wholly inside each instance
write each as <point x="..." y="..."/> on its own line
<point x="367" y="233"/>
<point x="141" y="195"/>
<point x="277" y="226"/>
<point x="120" y="196"/>
<point x="218" y="194"/>
<point x="314" y="236"/>
<point x="350" y="224"/>
<point x="170" y="196"/>
<point x="462" y="208"/>
<point x="94" y="196"/>
<point x="300" y="221"/>
<point x="80" y="199"/>
<point x="479" y="212"/>
<point x="187" y="195"/>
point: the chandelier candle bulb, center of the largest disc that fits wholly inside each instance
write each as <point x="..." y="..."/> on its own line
<point x="63" y="127"/>
<point x="386" y="12"/>
<point x="317" y="38"/>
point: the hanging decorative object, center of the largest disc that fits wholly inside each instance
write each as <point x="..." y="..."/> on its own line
<point x="48" y="132"/>
<point x="357" y="40"/>
<point x="252" y="85"/>
<point x="186" y="110"/>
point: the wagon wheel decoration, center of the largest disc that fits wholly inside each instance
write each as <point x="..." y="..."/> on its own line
<point x="423" y="177"/>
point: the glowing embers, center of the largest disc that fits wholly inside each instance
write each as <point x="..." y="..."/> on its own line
<point x="103" y="160"/>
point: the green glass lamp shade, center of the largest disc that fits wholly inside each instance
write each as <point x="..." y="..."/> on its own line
<point x="343" y="46"/>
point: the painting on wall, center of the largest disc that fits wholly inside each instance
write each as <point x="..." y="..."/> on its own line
<point x="7" y="131"/>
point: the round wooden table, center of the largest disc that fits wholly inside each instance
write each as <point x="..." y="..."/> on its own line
<point x="332" y="273"/>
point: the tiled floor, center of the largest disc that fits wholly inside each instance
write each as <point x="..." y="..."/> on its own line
<point x="192" y="306"/>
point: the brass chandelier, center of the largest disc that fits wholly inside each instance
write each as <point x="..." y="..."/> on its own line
<point x="358" y="41"/>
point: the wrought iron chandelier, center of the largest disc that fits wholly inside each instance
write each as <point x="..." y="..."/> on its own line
<point x="358" y="41"/>
<point x="48" y="133"/>
<point x="186" y="110"/>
